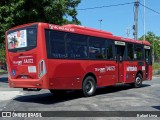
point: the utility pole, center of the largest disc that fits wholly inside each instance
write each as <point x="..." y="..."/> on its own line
<point x="135" y="26"/>
<point x="100" y="21"/>
<point x="153" y="51"/>
<point x="144" y="37"/>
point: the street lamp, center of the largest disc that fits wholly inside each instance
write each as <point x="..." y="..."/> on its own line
<point x="100" y="21"/>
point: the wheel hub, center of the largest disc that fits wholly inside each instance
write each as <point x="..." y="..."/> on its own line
<point x="89" y="87"/>
<point x="138" y="80"/>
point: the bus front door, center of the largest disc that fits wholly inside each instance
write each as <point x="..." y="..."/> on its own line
<point x="148" y="62"/>
<point x="120" y="50"/>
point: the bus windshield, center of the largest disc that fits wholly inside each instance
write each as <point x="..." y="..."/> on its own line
<point x="23" y="39"/>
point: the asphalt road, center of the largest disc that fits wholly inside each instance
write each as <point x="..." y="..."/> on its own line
<point x="116" y="98"/>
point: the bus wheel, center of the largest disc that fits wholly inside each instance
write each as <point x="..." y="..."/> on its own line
<point x="89" y="86"/>
<point x="138" y="81"/>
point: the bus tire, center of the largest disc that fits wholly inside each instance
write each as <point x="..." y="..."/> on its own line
<point x="89" y="86"/>
<point x="138" y="81"/>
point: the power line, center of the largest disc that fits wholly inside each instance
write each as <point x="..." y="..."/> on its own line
<point x="149" y="8"/>
<point x="106" y="6"/>
<point x="98" y="7"/>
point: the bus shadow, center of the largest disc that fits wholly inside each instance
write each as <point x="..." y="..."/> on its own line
<point x="156" y="107"/>
<point x="117" y="88"/>
<point x="4" y="79"/>
<point x="48" y="98"/>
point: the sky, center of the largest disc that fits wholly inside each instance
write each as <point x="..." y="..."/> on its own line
<point x="118" y="19"/>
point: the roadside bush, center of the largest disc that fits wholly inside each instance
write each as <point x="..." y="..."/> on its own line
<point x="2" y="54"/>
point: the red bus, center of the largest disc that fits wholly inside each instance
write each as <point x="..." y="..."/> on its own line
<point x="72" y="57"/>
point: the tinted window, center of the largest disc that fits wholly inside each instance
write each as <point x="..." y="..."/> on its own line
<point x="66" y="45"/>
<point x="148" y="56"/>
<point x="31" y="36"/>
<point x="138" y="52"/>
<point x="109" y="49"/>
<point x="57" y="44"/>
<point x="97" y="49"/>
<point x="76" y="46"/>
<point x="130" y="51"/>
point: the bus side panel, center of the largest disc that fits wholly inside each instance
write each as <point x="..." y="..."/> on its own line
<point x="130" y="71"/>
<point x="69" y="74"/>
<point x="132" y="67"/>
<point x="66" y="74"/>
<point x="142" y="69"/>
<point x="105" y="71"/>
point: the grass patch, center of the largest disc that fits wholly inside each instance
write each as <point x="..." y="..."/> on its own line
<point x="2" y="71"/>
<point x="156" y="66"/>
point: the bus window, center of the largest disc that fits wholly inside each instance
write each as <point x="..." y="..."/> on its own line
<point x="110" y="50"/>
<point x="96" y="48"/>
<point x="22" y="39"/>
<point x="130" y="51"/>
<point x="55" y="44"/>
<point x="32" y="36"/>
<point x="138" y="52"/>
<point x="71" y="50"/>
<point x="148" y="56"/>
<point x="76" y="46"/>
<point x="120" y="52"/>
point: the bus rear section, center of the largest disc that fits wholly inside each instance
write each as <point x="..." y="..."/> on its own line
<point x="26" y="66"/>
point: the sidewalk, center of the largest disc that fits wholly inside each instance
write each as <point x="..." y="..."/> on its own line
<point x="156" y="72"/>
<point x="4" y="75"/>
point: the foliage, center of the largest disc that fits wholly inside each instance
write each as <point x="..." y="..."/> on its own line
<point x="17" y="12"/>
<point x="2" y="53"/>
<point x="3" y="71"/>
<point x="156" y="66"/>
<point x="155" y="43"/>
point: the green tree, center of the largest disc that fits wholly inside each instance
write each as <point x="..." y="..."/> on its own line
<point x="155" y="43"/>
<point x="2" y="53"/>
<point x="17" y="12"/>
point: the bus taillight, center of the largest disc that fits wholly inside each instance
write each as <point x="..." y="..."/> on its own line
<point x="42" y="68"/>
<point x="9" y="75"/>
